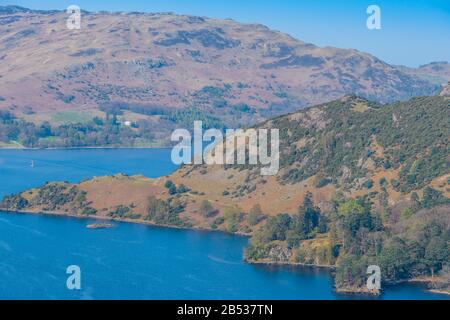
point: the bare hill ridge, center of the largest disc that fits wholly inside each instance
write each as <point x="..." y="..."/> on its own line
<point x="237" y="72"/>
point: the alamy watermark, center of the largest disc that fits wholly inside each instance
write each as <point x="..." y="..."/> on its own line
<point x="250" y="146"/>
<point x="74" y="280"/>
<point x="374" y="280"/>
<point x="73" y="22"/>
<point x="374" y="20"/>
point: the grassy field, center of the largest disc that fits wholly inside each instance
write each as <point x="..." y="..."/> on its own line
<point x="63" y="117"/>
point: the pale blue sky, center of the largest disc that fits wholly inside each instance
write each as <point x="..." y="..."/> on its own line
<point x="413" y="32"/>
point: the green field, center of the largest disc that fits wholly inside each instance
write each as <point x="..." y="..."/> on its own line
<point x="70" y="117"/>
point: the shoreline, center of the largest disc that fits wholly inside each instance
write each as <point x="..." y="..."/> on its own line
<point x="428" y="280"/>
<point x="356" y="291"/>
<point x="439" y="291"/>
<point x="125" y="220"/>
<point x="287" y="263"/>
<point x="359" y="291"/>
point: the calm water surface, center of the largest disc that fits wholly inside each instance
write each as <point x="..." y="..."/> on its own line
<point x="134" y="261"/>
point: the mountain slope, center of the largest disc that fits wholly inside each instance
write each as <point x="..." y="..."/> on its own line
<point x="350" y="147"/>
<point x="446" y="90"/>
<point x="438" y="71"/>
<point x="153" y="64"/>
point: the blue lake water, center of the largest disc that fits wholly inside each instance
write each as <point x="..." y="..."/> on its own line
<point x="134" y="261"/>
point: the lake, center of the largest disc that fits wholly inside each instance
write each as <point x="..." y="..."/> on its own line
<point x="132" y="261"/>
